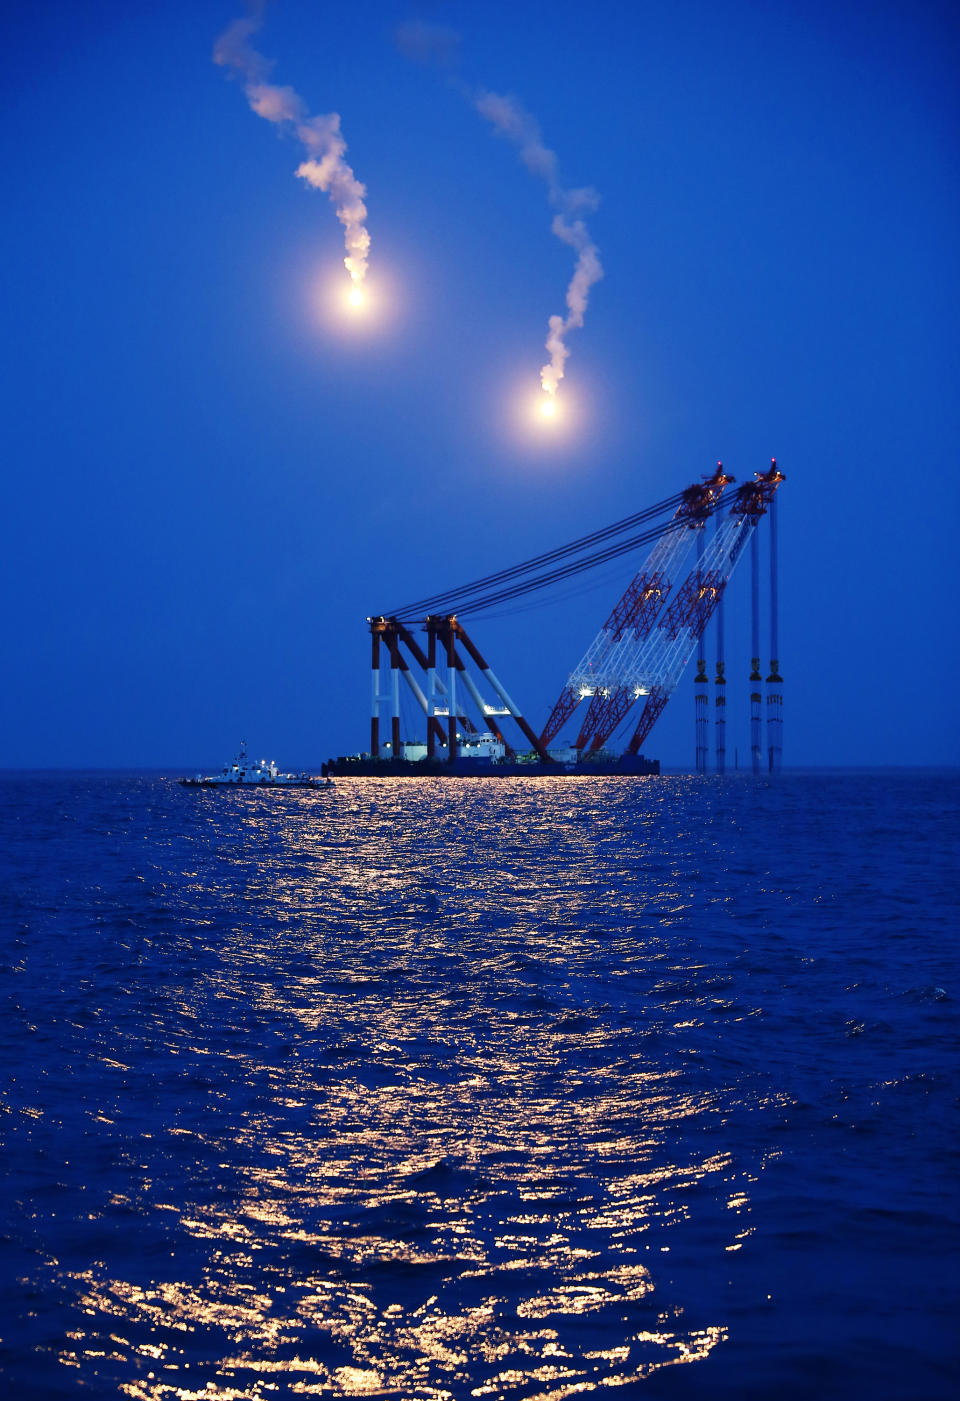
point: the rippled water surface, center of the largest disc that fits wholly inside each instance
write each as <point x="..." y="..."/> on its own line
<point x="461" y="1088"/>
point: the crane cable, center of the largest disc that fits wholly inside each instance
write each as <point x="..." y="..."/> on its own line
<point x="439" y="601"/>
<point x="460" y="601"/>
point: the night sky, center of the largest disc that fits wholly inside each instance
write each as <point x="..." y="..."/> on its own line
<point x="215" y="472"/>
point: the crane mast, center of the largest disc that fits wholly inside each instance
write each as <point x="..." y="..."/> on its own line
<point x="634" y="614"/>
<point x="657" y="666"/>
<point x="641" y="651"/>
<point x="611" y="700"/>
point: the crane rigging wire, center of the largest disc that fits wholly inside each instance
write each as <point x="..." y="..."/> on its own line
<point x="616" y="576"/>
<point x="542" y="581"/>
<point x="460" y="601"/>
<point x="436" y="602"/>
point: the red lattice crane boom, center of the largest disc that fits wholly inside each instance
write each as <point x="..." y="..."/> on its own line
<point x="635" y="613"/>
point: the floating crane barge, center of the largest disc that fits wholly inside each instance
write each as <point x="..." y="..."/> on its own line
<point x="640" y="652"/>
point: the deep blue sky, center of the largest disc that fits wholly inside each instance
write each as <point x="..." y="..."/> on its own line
<point x="211" y="481"/>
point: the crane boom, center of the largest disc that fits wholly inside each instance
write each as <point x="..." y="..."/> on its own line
<point x="653" y="666"/>
<point x="635" y="612"/>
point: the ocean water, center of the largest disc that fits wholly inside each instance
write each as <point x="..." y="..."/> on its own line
<point x="537" y="1088"/>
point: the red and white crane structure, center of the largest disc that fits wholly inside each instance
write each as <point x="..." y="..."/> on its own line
<point x="650" y="636"/>
<point x="656" y="667"/>
<point x="441" y="702"/>
<point x="635" y="613"/>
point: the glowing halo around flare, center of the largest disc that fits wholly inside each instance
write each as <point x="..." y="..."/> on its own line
<point x="548" y="408"/>
<point x="355" y="297"/>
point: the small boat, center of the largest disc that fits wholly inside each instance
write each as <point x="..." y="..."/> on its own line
<point x="245" y="772"/>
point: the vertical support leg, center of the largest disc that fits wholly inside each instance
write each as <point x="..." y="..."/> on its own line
<point x="451" y="693"/>
<point x="375" y="692"/>
<point x="774" y="680"/>
<point x="756" y="680"/>
<point x="431" y="688"/>
<point x="701" y="681"/>
<point x="395" y="687"/>
<point x="720" y="700"/>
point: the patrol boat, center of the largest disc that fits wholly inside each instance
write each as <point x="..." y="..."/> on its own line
<point x="251" y="773"/>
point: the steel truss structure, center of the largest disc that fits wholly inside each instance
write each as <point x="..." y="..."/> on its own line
<point x="641" y="651"/>
<point x="655" y="667"/>
<point x="441" y="701"/>
<point x="636" y="610"/>
<point x="633" y="619"/>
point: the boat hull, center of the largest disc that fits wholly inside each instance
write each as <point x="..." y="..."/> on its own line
<point x="256" y="784"/>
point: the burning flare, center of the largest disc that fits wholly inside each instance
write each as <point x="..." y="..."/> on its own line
<point x="515" y="123"/>
<point x="325" y="168"/>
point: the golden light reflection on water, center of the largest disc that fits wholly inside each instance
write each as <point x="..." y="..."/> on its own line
<point x="432" y="1150"/>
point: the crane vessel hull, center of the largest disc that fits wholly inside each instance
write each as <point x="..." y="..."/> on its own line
<point x="363" y="766"/>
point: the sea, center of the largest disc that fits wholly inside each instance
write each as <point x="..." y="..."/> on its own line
<point x="532" y="1088"/>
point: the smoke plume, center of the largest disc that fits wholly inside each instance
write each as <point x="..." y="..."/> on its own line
<point x="512" y="121"/>
<point x="325" y="168"/>
<point x="439" y="47"/>
<point x="433" y="44"/>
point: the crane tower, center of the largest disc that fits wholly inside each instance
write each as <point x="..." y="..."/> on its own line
<point x="640" y="653"/>
<point x="635" y="613"/>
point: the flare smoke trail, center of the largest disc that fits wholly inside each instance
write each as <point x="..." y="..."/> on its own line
<point x="325" y="168"/>
<point x="513" y="122"/>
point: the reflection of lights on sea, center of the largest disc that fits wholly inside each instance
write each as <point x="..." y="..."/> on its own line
<point x="358" y="1143"/>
